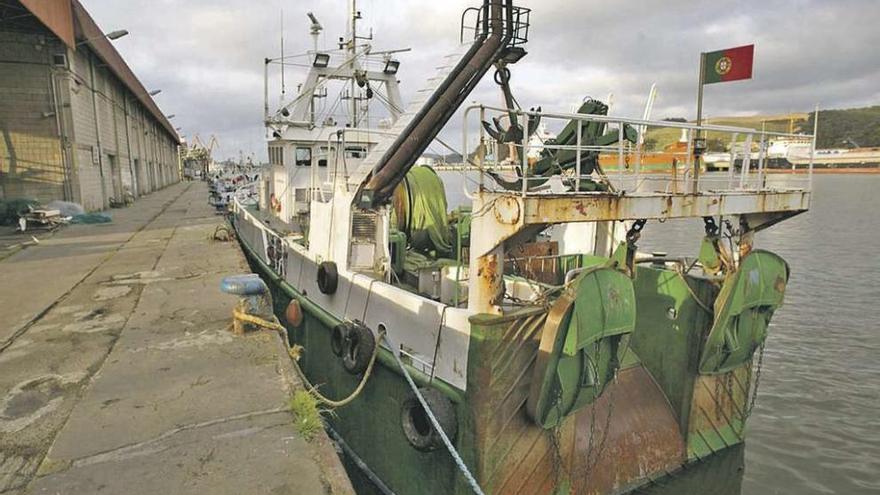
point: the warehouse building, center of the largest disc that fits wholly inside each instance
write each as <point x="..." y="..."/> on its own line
<point x="75" y="122"/>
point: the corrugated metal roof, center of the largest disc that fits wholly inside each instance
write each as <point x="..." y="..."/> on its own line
<point x="70" y="21"/>
<point x="56" y="15"/>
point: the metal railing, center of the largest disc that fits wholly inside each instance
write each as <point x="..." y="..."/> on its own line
<point x="475" y="20"/>
<point x="629" y="165"/>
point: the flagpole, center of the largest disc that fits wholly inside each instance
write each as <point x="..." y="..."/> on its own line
<point x="697" y="151"/>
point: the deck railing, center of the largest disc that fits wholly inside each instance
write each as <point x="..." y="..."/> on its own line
<point x="631" y="167"/>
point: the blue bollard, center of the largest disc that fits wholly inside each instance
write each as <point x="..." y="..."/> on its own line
<point x="254" y="298"/>
<point x="244" y="285"/>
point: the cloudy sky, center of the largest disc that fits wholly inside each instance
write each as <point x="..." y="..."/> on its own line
<point x="207" y="55"/>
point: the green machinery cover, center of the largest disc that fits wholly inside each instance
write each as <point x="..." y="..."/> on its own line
<point x="420" y="211"/>
<point x="601" y="309"/>
<point x="743" y="310"/>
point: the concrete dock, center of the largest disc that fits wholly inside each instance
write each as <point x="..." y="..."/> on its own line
<point x="118" y="372"/>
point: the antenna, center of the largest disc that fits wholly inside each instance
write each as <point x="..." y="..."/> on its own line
<point x="316" y="26"/>
<point x="649" y="107"/>
<point x="282" y="56"/>
<point x="353" y="16"/>
<point x="316" y="29"/>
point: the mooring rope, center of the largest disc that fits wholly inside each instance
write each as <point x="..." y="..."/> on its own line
<point x="275" y="325"/>
<point x="293" y="352"/>
<point x="454" y="453"/>
<point x="256" y="320"/>
<point x="357" y="391"/>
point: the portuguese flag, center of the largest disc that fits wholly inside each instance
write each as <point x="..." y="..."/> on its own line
<point x="732" y="64"/>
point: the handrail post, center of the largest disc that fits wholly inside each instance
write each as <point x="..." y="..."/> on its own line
<point x="747" y="158"/>
<point x="813" y="148"/>
<point x="761" y="162"/>
<point x="639" y="150"/>
<point x="731" y="166"/>
<point x="620" y="139"/>
<point x="689" y="158"/>
<point x="577" y="183"/>
<point x="525" y="158"/>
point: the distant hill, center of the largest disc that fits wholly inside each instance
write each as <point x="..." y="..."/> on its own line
<point x="853" y="127"/>
<point x="837" y="128"/>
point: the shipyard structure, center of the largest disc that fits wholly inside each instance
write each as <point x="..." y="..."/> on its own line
<point x="76" y="124"/>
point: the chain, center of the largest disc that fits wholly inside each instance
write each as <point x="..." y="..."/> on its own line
<point x="728" y="388"/>
<point x="559" y="463"/>
<point x="592" y="460"/>
<point x="589" y="464"/>
<point x="757" y="380"/>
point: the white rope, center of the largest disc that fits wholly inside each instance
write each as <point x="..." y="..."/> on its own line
<point x="455" y="456"/>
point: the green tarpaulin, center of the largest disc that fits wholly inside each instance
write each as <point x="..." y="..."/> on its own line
<point x="420" y="211"/>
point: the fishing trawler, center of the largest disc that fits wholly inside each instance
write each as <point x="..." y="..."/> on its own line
<point x="521" y="344"/>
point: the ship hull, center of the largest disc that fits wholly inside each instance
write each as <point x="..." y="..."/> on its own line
<point x="632" y="440"/>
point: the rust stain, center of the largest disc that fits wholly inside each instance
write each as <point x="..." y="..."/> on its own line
<point x="489" y="276"/>
<point x="718" y="401"/>
<point x="507" y="210"/>
<point x="779" y="285"/>
<point x="641" y="436"/>
<point x="515" y="456"/>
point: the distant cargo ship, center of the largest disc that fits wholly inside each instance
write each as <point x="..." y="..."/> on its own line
<point x="794" y="153"/>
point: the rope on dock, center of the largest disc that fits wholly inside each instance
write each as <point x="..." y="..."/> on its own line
<point x="249" y="318"/>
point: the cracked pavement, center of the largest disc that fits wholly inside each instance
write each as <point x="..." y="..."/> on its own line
<point x="118" y="372"/>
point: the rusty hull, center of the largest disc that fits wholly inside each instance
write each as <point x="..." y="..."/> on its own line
<point x="640" y="438"/>
<point x="634" y="423"/>
<point x="719" y="410"/>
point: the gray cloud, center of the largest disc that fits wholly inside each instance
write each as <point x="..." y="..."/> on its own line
<point x="207" y="55"/>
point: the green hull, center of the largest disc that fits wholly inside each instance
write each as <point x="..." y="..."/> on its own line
<point x="652" y="401"/>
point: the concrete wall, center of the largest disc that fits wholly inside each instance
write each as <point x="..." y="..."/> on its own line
<point x="69" y="129"/>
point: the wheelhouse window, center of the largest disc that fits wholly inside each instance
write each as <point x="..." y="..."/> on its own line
<point x="303" y="156"/>
<point x="324" y="154"/>
<point x="355" y="152"/>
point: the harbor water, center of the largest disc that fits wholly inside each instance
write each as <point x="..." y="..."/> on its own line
<point x="815" y="428"/>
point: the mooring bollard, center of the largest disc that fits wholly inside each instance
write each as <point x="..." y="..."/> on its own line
<point x="253" y="310"/>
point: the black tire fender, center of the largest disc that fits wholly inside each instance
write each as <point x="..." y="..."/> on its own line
<point x="417" y="427"/>
<point x="328" y="277"/>
<point x="357" y="349"/>
<point x="338" y="336"/>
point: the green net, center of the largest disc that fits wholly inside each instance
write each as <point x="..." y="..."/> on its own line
<point x="420" y="211"/>
<point x="91" y="218"/>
